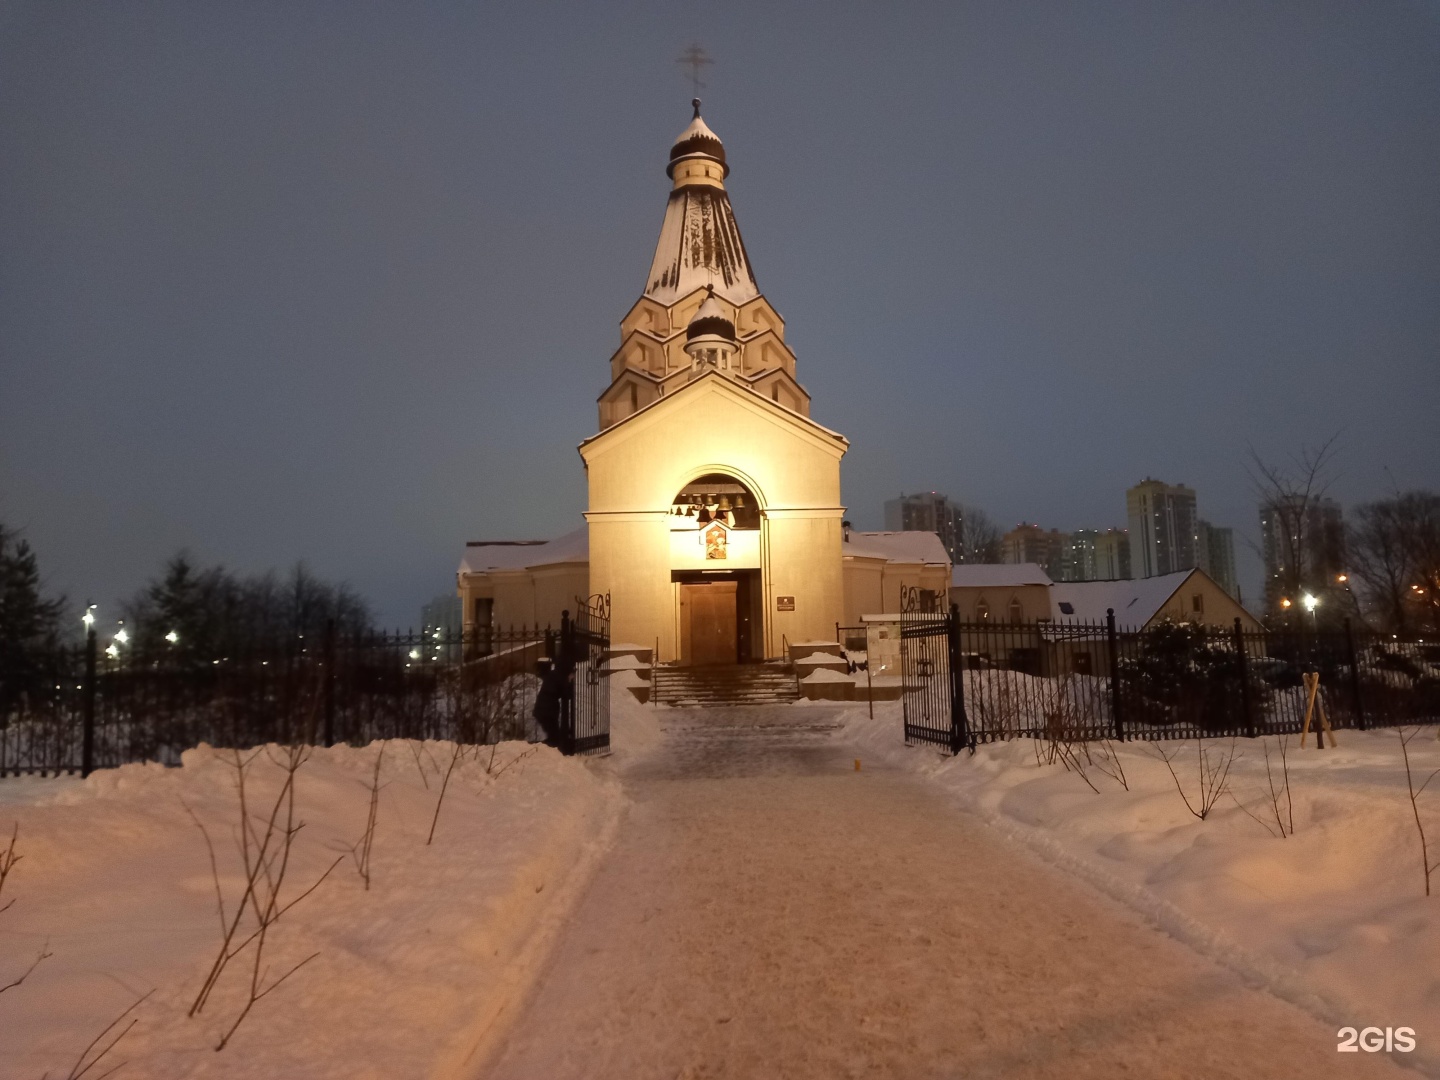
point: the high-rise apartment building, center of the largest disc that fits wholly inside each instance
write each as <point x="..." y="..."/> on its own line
<point x="1028" y="543"/>
<point x="1163" y="528"/>
<point x="1215" y="554"/>
<point x="929" y="512"/>
<point x="1303" y="543"/>
<point x="1096" y="555"/>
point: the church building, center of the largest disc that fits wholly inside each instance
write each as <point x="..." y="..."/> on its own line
<point x="714" y="524"/>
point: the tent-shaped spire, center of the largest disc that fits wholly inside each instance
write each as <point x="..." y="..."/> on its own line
<point x="700" y="242"/>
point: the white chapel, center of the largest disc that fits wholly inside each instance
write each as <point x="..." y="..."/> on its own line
<point x="714" y="524"/>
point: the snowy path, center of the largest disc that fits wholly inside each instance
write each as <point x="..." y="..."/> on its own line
<point x="767" y="911"/>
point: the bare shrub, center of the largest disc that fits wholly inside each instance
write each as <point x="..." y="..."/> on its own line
<point x="1213" y="775"/>
<point x="265" y="845"/>
<point x="1065" y="736"/>
<point x="361" y="849"/>
<point x="1415" y="794"/>
<point x="7" y="863"/>
<point x="1107" y="760"/>
<point x="456" y="754"/>
<point x="1284" y="819"/>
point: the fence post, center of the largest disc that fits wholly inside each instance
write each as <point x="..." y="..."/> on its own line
<point x="959" y="726"/>
<point x="1244" y="662"/>
<point x="1354" y="675"/>
<point x="87" y="749"/>
<point x="1114" y="647"/>
<point x="565" y="660"/>
<point x="329" y="684"/>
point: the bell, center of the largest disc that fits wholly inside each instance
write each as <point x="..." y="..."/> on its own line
<point x="739" y="502"/>
<point x="724" y="503"/>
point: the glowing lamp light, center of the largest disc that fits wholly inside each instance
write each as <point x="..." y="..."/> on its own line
<point x="89" y="617"/>
<point x="172" y="637"/>
<point x="121" y="636"/>
<point x="1342" y="578"/>
<point x="414" y="654"/>
<point x="1310" y="602"/>
<point x="1285" y="602"/>
<point x="112" y="651"/>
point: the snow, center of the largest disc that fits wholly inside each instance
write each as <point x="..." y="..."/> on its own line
<point x="770" y="910"/>
<point x="627" y="662"/>
<point x="410" y="975"/>
<point x="573" y="547"/>
<point x="909" y="547"/>
<point x="827" y="675"/>
<point x="1333" y="918"/>
<point x="1135" y="602"/>
<point x="997" y="575"/>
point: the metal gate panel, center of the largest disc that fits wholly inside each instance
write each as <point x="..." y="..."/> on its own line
<point x="932" y="691"/>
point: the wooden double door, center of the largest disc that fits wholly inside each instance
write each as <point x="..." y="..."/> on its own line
<point x="716" y="619"/>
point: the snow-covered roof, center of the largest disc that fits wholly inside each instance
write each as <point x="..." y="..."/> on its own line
<point x="998" y="575"/>
<point x="914" y="547"/>
<point x="700" y="245"/>
<point x="1135" y="602"/>
<point x="481" y="556"/>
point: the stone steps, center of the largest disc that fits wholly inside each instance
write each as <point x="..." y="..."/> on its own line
<point x="742" y="684"/>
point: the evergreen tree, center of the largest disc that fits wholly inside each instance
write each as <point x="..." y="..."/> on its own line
<point x="29" y="623"/>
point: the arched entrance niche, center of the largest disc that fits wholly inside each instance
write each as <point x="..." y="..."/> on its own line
<point x="716" y="570"/>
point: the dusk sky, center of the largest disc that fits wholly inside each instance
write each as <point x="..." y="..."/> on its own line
<point x="339" y="282"/>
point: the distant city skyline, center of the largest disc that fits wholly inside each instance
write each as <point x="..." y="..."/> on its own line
<point x="339" y="285"/>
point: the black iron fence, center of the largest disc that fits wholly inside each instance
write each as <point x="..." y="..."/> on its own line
<point x="1093" y="680"/>
<point x="78" y="709"/>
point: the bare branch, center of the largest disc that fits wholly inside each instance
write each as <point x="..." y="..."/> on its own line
<point x="44" y="954"/>
<point x="81" y="1067"/>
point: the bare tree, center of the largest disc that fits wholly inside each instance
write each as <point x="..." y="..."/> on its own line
<point x="1383" y="561"/>
<point x="980" y="537"/>
<point x="1291" y="496"/>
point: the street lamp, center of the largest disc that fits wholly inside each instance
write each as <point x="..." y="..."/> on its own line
<point x="172" y="637"/>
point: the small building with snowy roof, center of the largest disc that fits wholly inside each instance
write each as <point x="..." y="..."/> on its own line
<point x="1009" y="592"/>
<point x="880" y="566"/>
<point x="1184" y="596"/>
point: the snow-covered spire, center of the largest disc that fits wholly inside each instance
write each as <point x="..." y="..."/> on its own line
<point x="700" y="242"/>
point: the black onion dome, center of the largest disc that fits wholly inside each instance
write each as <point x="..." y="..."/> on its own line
<point x="697" y="140"/>
<point x="710" y="319"/>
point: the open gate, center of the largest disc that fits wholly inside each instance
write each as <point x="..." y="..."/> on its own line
<point x="584" y="715"/>
<point x="931" y="674"/>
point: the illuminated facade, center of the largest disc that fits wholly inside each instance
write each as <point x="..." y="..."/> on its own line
<point x="714" y="521"/>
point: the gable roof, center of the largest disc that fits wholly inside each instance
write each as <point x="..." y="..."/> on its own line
<point x="714" y="380"/>
<point x="1135" y="602"/>
<point x="998" y="575"/>
<point x="481" y="557"/>
<point x="913" y="546"/>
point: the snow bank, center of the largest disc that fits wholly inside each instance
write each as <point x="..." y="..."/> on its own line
<point x="411" y="977"/>
<point x="1333" y="918"/>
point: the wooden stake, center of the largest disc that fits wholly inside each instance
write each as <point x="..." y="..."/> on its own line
<point x="1311" y="680"/>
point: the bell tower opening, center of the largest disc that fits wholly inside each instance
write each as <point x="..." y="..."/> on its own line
<point x="715" y="571"/>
